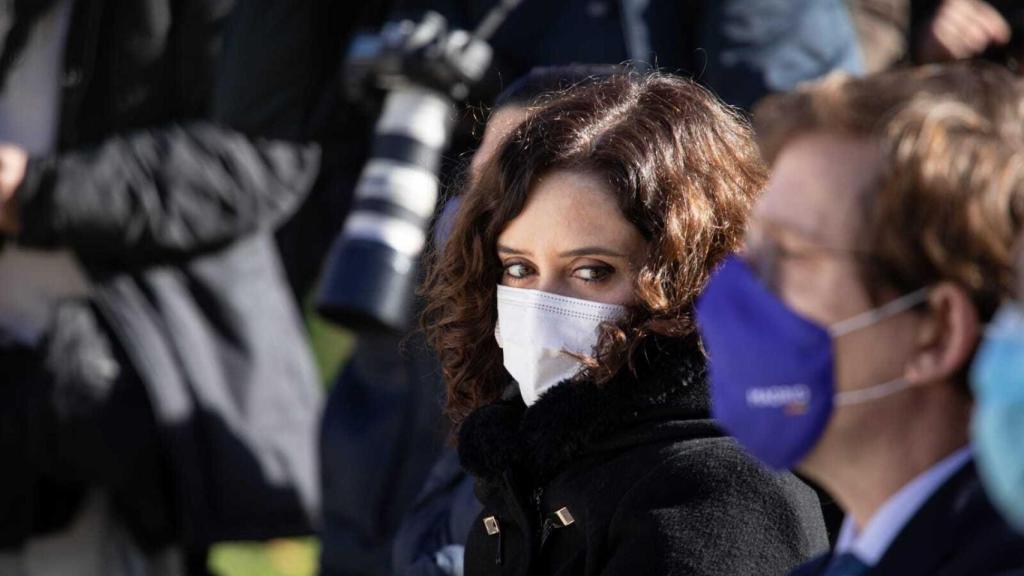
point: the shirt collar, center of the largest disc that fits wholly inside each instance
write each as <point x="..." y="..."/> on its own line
<point x="871" y="543"/>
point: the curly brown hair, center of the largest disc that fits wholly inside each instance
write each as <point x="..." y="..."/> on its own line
<point x="685" y="170"/>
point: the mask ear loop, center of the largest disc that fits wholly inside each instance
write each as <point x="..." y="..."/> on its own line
<point x="871" y="393"/>
<point x="887" y="310"/>
<point x="869" y="318"/>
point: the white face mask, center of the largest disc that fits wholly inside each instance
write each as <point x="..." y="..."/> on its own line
<point x="536" y="329"/>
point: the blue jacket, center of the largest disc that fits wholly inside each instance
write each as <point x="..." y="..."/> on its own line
<point x="432" y="538"/>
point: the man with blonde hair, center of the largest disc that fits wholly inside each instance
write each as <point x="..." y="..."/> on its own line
<point x="840" y="340"/>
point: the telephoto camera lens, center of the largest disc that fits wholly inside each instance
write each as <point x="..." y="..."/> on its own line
<point x="369" y="282"/>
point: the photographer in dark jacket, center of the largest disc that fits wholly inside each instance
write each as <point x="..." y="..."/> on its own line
<point x="740" y="49"/>
<point x="161" y="395"/>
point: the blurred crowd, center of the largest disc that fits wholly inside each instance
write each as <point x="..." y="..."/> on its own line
<point x="798" y="343"/>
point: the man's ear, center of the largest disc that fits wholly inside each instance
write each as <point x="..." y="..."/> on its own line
<point x="947" y="337"/>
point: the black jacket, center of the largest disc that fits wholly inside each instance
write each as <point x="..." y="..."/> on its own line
<point x="956" y="533"/>
<point x="629" y="478"/>
<point x="170" y="210"/>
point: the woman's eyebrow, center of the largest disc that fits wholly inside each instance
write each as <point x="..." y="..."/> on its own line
<point x="592" y="251"/>
<point x="502" y="249"/>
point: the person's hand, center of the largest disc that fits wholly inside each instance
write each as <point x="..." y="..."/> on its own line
<point x="13" y="161"/>
<point x="962" y="29"/>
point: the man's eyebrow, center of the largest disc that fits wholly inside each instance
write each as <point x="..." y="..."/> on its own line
<point x="790" y="231"/>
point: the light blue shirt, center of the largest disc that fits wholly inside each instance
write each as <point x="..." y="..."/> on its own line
<point x="870" y="544"/>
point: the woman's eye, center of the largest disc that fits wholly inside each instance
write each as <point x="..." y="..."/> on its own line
<point x="517" y="270"/>
<point x="592" y="273"/>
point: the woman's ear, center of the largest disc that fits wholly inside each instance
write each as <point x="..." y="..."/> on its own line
<point x="947" y="338"/>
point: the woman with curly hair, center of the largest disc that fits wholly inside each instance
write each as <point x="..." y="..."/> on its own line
<point x="562" y="310"/>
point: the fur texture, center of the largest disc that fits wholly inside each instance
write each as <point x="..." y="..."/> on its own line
<point x="573" y="417"/>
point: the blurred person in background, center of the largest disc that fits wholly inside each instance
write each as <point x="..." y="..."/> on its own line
<point x="740" y="49"/>
<point x="947" y="30"/>
<point x="432" y="537"/>
<point x="997" y="427"/>
<point x="883" y="32"/>
<point x="158" y="394"/>
<point x="841" y="337"/>
<point x="383" y="408"/>
<point x="901" y="32"/>
<point x="561" y="309"/>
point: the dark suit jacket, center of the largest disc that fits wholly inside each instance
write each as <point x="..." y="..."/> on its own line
<point x="956" y="532"/>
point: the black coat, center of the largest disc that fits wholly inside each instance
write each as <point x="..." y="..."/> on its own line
<point x="200" y="424"/>
<point x="956" y="533"/>
<point x="632" y="477"/>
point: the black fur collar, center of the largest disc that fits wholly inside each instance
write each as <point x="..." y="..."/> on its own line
<point x="572" y="417"/>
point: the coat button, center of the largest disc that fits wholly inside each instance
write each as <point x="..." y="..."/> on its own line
<point x="565" y="517"/>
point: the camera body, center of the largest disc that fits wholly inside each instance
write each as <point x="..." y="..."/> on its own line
<point x="425" y="53"/>
<point x="424" y="70"/>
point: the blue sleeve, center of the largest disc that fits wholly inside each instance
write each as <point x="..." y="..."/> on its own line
<point x="756" y="47"/>
<point x="434" y="532"/>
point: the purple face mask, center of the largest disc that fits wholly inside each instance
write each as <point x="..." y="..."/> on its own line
<point x="771" y="370"/>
